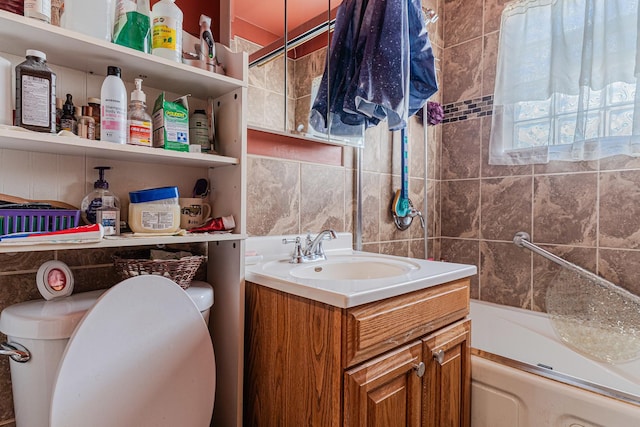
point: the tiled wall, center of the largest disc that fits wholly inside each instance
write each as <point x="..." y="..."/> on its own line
<point x="587" y="212"/>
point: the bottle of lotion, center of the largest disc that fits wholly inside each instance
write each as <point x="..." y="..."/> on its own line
<point x="113" y="108"/>
<point x="139" y="129"/>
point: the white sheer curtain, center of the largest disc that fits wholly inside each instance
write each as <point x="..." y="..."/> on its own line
<point x="566" y="81"/>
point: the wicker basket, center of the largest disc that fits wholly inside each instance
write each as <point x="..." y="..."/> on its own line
<point x="181" y="270"/>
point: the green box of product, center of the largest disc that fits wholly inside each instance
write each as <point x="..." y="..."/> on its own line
<point x="171" y="123"/>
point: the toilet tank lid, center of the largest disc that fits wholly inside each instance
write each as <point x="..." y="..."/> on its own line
<point x="202" y="294"/>
<point x="40" y="319"/>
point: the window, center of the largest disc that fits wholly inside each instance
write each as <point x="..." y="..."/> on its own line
<point x="566" y="81"/>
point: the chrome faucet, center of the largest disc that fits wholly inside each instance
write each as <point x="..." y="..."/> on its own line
<point x="313" y="250"/>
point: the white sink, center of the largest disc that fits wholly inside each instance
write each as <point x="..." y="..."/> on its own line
<point x="346" y="278"/>
<point x="353" y="268"/>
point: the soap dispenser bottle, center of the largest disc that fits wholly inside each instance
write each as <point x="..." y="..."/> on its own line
<point x="138" y="120"/>
<point x="93" y="202"/>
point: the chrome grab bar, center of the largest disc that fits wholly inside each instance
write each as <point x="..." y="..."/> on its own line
<point x="15" y="352"/>
<point x="523" y="240"/>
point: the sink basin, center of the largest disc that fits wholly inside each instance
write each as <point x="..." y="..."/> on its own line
<point x="353" y="268"/>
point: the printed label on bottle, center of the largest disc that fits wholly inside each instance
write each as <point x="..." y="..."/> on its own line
<point x="112" y="116"/>
<point x="140" y="132"/>
<point x="165" y="31"/>
<point x="39" y="9"/>
<point x="157" y="221"/>
<point x="36" y="101"/>
<point x="109" y="221"/>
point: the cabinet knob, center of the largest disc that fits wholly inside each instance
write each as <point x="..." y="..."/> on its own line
<point x="419" y="368"/>
<point x="438" y="356"/>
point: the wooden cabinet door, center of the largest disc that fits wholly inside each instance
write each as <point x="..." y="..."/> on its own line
<point x="447" y="383"/>
<point x="385" y="391"/>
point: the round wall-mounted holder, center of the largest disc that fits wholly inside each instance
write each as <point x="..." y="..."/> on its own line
<point x="55" y="280"/>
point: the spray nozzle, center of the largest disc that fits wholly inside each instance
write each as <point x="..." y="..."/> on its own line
<point x="204" y="19"/>
<point x="138" y="94"/>
<point x="101" y="182"/>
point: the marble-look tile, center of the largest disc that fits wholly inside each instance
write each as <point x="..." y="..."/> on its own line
<point x="461" y="149"/>
<point x="417" y="146"/>
<point x="322" y="196"/>
<point x="463" y="77"/>
<point x="506" y="207"/>
<point x="463" y="21"/>
<point x="388" y="230"/>
<point x="565" y="167"/>
<point x="417" y="197"/>
<point x="6" y="396"/>
<point x="372" y="248"/>
<point x="75" y="258"/>
<point x="16" y="288"/>
<point x="302" y="108"/>
<point x="505" y="274"/>
<point x="489" y="60"/>
<point x="464" y="252"/>
<point x="291" y="115"/>
<point x="619" y="162"/>
<point x="23" y="261"/>
<point x="565" y="209"/>
<point x="371" y="152"/>
<point x="488" y="170"/>
<point x="274" y="75"/>
<point x="257" y="77"/>
<point x="370" y="207"/>
<point x="619" y="209"/>
<point x="308" y="68"/>
<point x="435" y="30"/>
<point x="416" y="249"/>
<point x="460" y="209"/>
<point x="434" y="143"/>
<point x="545" y="272"/>
<point x="244" y="45"/>
<point x="621" y="267"/>
<point x="257" y="99"/>
<point x="273" y="197"/>
<point x="433" y="209"/>
<point x="350" y="201"/>
<point x="274" y="106"/>
<point x="90" y="279"/>
<point x="397" y="248"/>
<point x="492" y="14"/>
<point x="433" y="248"/>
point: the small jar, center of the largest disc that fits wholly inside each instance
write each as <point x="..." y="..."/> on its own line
<point x="94" y="103"/>
<point x="87" y="124"/>
<point x="155" y="210"/>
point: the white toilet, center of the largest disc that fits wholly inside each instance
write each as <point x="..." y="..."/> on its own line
<point x="138" y="354"/>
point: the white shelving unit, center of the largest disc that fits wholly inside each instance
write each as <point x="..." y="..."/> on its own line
<point x="31" y="160"/>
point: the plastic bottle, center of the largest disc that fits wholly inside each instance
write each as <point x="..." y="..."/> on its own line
<point x="91" y="17"/>
<point x="207" y="44"/>
<point x="132" y="26"/>
<point x="6" y="96"/>
<point x="139" y="123"/>
<point x="113" y="108"/>
<point x="167" y="30"/>
<point x="109" y="216"/>
<point x="35" y="93"/>
<point x="199" y="130"/>
<point x="38" y="9"/>
<point x="68" y="120"/>
<point x="92" y="202"/>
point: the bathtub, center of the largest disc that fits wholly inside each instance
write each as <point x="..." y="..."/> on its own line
<point x="523" y="376"/>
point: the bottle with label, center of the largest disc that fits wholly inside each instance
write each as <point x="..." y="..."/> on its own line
<point x="35" y="94"/>
<point x="94" y="201"/>
<point x="207" y="44"/>
<point x="132" y="26"/>
<point x="199" y="130"/>
<point x="113" y="108"/>
<point x="167" y="30"/>
<point x="94" y="103"/>
<point x="109" y="216"/>
<point x="87" y="124"/>
<point x="38" y="9"/>
<point x="90" y="17"/>
<point x="139" y="122"/>
<point x="68" y="120"/>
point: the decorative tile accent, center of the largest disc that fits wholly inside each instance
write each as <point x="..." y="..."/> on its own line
<point x="468" y="109"/>
<point x="505" y="274"/>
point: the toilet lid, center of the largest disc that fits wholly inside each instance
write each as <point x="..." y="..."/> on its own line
<point x="141" y="356"/>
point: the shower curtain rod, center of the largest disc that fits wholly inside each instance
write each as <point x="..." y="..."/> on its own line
<point x="523" y="240"/>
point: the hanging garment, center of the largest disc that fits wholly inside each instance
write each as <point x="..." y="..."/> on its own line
<point x="380" y="65"/>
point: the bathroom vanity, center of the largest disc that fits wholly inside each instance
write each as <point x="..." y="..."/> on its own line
<point x="316" y="354"/>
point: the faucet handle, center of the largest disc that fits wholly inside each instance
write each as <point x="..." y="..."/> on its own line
<point x="297" y="255"/>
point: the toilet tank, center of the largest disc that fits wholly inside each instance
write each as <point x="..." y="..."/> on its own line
<point x="44" y="328"/>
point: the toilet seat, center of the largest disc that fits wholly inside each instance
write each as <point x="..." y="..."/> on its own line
<point x="141" y="356"/>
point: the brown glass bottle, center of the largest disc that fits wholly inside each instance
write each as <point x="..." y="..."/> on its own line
<point x="36" y="94"/>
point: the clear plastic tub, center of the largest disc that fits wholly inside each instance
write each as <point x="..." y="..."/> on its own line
<point x="155" y="210"/>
